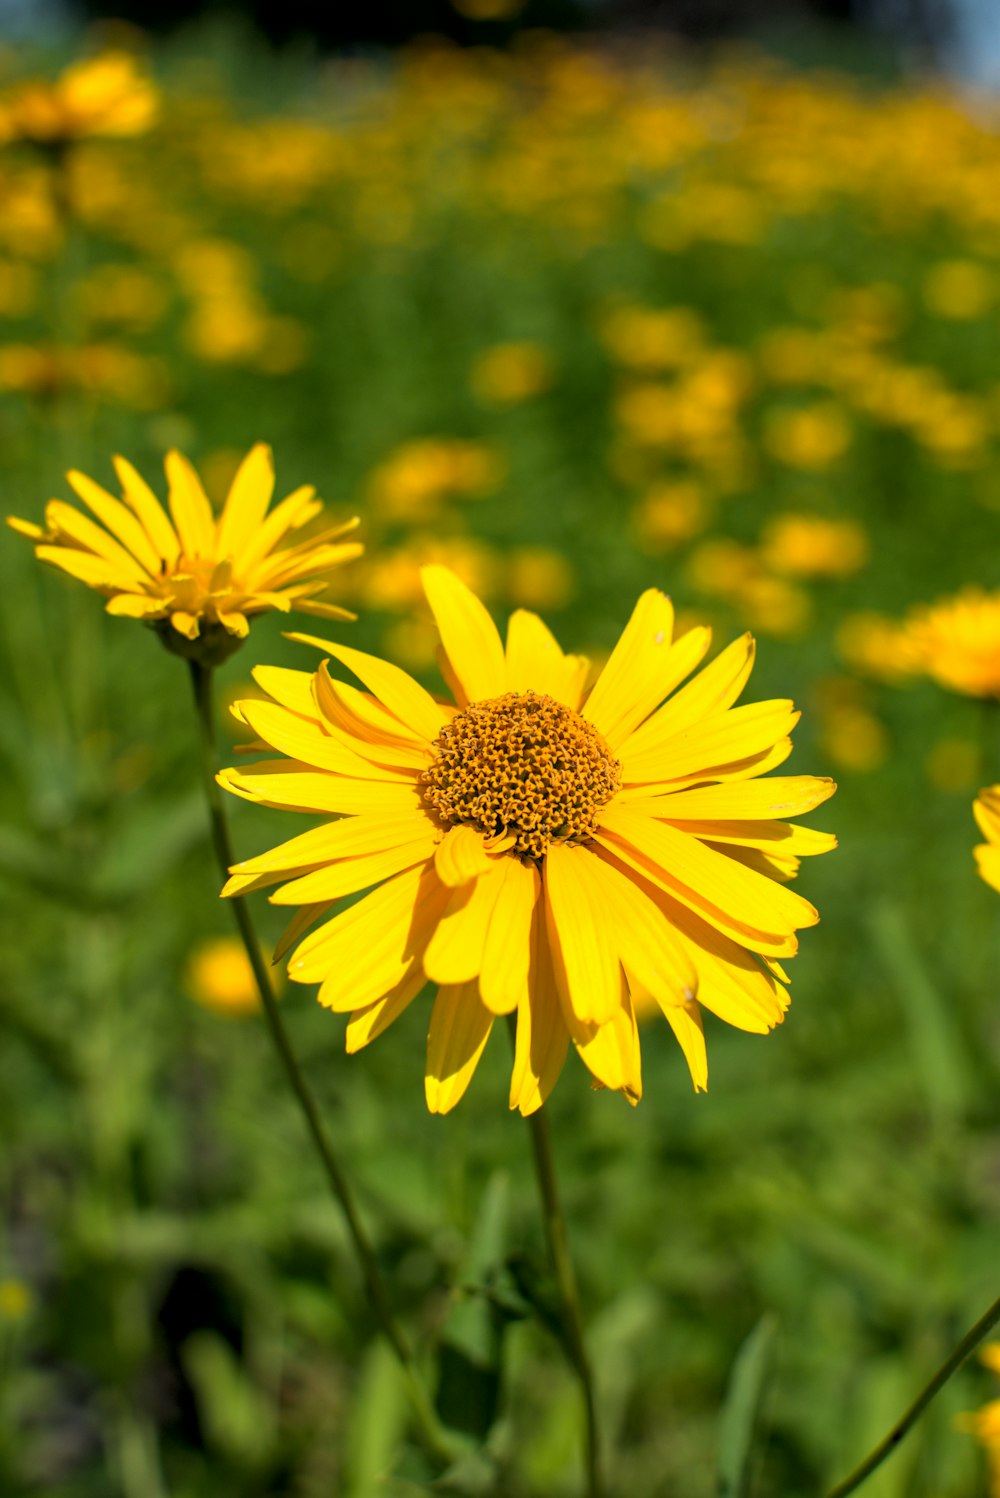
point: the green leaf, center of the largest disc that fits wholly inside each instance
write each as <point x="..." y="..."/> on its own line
<point x="740" y="1411"/>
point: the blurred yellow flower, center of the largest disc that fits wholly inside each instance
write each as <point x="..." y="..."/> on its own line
<point x="539" y="578"/>
<point x="986" y="810"/>
<point x="16" y="1299"/>
<point x="537" y="849"/>
<point x="411" y="484"/>
<point x="197" y="579"/>
<point x="510" y="373"/>
<point x="110" y="94"/>
<point x="849" y="732"/>
<point x="652" y="338"/>
<point x="218" y="976"/>
<point x="671" y="513"/>
<point x="953" y="764"/>
<point x="984" y="1423"/>
<point x="812" y="546"/>
<point x="810" y="437"/>
<point x="877" y="646"/>
<point x="960" y="289"/>
<point x="956" y="642"/>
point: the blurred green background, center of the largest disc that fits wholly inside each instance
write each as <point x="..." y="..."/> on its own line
<point x="577" y="322"/>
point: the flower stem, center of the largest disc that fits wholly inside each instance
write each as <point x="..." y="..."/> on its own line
<point x="951" y="1365"/>
<point x="435" y="1439"/>
<point x="562" y="1264"/>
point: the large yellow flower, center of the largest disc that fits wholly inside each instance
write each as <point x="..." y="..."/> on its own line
<point x="986" y="810"/>
<point x="105" y="95"/>
<point x="197" y="578"/>
<point x="535" y="848"/>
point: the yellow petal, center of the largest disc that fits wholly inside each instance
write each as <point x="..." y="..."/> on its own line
<point x="504" y="972"/>
<point x="135" y="606"/>
<point x="455" y="951"/>
<point x="26" y="528"/>
<point x="190" y="507"/>
<point x="460" y="856"/>
<point x="536" y="663"/>
<point x="986" y="809"/>
<point x="280" y="784"/>
<point x="581" y="937"/>
<point x="710" y="693"/>
<point x="468" y="635"/>
<point x="649" y="949"/>
<point x="368" y="1023"/>
<point x="354" y="837"/>
<point x="633" y="680"/>
<point x="780" y="796"/>
<point x="611" y="1052"/>
<point x="542" y="1037"/>
<point x="296" y="510"/>
<point x="405" y="698"/>
<point x="301" y="740"/>
<point x="987" y="856"/>
<point x="246" y="505"/>
<point x="84" y="532"/>
<point x="685" y="1021"/>
<point x="118" y="519"/>
<point x="365" y="950"/>
<point x="94" y="571"/>
<point x="373" y="732"/>
<point x="784" y="840"/>
<point x="292" y="689"/>
<point x="349" y="875"/>
<point x="714" y="742"/>
<point x="143" y="502"/>
<point x="459" y="1030"/>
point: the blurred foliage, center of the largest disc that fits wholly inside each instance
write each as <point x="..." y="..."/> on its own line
<point x="576" y="324"/>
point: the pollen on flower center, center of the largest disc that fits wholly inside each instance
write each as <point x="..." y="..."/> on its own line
<point x="525" y="766"/>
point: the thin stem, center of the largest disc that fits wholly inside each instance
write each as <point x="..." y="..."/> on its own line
<point x="951" y="1365"/>
<point x="435" y="1439"/>
<point x="562" y="1264"/>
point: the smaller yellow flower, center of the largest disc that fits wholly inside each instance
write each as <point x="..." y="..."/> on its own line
<point x="956" y="642"/>
<point x="984" y="1423"/>
<point x="105" y="95"/>
<point x="986" y="810"/>
<point x="812" y="437"/>
<point x="959" y="289"/>
<point x="196" y="578"/>
<point x="812" y="546"/>
<point x="16" y="1300"/>
<point x="510" y="373"/>
<point x="219" y="977"/>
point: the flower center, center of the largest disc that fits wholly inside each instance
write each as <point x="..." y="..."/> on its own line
<point x="524" y="766"/>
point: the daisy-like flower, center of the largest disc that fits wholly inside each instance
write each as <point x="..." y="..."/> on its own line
<point x="105" y="95"/>
<point x="986" y="810"/>
<point x="534" y="848"/>
<point x="956" y="642"/>
<point x="196" y="578"/>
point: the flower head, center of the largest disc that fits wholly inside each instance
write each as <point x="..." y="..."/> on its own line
<point x="956" y="642"/>
<point x="986" y="810"/>
<point x="532" y="847"/>
<point x="105" y="95"/>
<point x="196" y="577"/>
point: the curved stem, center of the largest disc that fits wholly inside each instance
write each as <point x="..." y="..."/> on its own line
<point x="562" y="1264"/>
<point x="435" y="1439"/>
<point x="951" y="1365"/>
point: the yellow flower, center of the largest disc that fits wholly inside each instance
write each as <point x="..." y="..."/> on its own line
<point x="219" y="977"/>
<point x="984" y="1423"/>
<point x="811" y="546"/>
<point x="811" y="437"/>
<point x="956" y="642"/>
<point x="105" y="95"/>
<point x="197" y="578"/>
<point x="877" y="646"/>
<point x="986" y="810"/>
<point x="534" y="848"/>
<point x="960" y="289"/>
<point x="511" y="373"/>
<point x="16" y="1300"/>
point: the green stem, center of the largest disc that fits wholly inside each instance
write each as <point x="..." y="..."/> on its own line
<point x="435" y="1439"/>
<point x="562" y="1264"/>
<point x="951" y="1365"/>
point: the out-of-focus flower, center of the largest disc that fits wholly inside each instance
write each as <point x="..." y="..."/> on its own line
<point x="218" y="976"/>
<point x="539" y="578"/>
<point x="850" y="733"/>
<point x="877" y="646"/>
<point x="196" y="578"/>
<point x="122" y="295"/>
<point x="16" y="1299"/>
<point x="774" y="606"/>
<point x="652" y="338"/>
<point x="984" y="1423"/>
<point x="956" y="642"/>
<point x="812" y="546"/>
<point x="960" y="289"/>
<point x="411" y="484"/>
<point x="106" y="95"/>
<point x="670" y="514"/>
<point x="953" y="764"/>
<point x="810" y="437"/>
<point x="104" y="369"/>
<point x="986" y="810"/>
<point x="539" y="849"/>
<point x="511" y="373"/>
